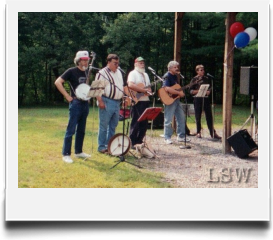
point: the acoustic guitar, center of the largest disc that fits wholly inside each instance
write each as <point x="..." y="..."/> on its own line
<point x="168" y="98"/>
<point x="137" y="95"/>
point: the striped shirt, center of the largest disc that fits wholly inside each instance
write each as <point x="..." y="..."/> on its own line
<point x="114" y="82"/>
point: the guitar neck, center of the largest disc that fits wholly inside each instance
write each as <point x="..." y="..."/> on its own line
<point x="153" y="83"/>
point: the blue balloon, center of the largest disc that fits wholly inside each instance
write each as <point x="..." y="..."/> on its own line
<point x="241" y="39"/>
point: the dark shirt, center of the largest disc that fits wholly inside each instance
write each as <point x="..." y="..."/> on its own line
<point x="169" y="79"/>
<point x="200" y="81"/>
<point x="75" y="77"/>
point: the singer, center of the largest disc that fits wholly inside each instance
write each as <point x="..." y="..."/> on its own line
<point x="109" y="102"/>
<point x="135" y="77"/>
<point x="202" y="103"/>
<point x="175" y="108"/>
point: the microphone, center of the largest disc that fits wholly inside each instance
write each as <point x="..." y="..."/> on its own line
<point x="98" y="69"/>
<point x="152" y="70"/>
<point x="121" y="70"/>
<point x="210" y="75"/>
<point x="181" y="75"/>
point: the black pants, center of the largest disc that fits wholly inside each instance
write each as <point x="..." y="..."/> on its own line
<point x="199" y="105"/>
<point x="138" y="129"/>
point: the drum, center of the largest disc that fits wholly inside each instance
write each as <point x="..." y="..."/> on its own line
<point x="119" y="144"/>
<point x="82" y="92"/>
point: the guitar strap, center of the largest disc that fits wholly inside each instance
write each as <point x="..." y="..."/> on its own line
<point x="143" y="75"/>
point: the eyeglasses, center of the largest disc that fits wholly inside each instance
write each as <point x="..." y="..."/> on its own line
<point x="201" y="70"/>
<point x="115" y="63"/>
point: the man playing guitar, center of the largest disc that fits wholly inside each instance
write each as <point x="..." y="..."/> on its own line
<point x="175" y="108"/>
<point x="135" y="77"/>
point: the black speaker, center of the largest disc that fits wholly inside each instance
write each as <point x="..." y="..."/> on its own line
<point x="242" y="143"/>
<point x="249" y="81"/>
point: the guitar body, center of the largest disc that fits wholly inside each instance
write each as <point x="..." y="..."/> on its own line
<point x="133" y="94"/>
<point x="168" y="98"/>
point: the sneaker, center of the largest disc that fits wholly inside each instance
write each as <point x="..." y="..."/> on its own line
<point x="67" y="159"/>
<point x="82" y="155"/>
<point x="162" y="135"/>
<point x="168" y="141"/>
<point x="179" y="139"/>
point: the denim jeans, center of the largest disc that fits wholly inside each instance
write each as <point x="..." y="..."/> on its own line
<point x="175" y="109"/>
<point x="78" y="112"/>
<point x="109" y="117"/>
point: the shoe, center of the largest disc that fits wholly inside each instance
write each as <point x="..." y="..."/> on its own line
<point x="216" y="136"/>
<point x="168" y="141"/>
<point x="67" y="159"/>
<point x="191" y="134"/>
<point x="162" y="135"/>
<point x="198" y="135"/>
<point x="82" y="155"/>
<point x="179" y="139"/>
<point x="133" y="147"/>
<point x="104" y="151"/>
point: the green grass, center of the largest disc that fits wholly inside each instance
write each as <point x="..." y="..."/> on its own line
<point x="40" y="165"/>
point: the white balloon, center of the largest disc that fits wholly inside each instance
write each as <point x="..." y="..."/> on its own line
<point x="251" y="32"/>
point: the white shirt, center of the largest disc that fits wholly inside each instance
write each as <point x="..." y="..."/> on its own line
<point x="114" y="83"/>
<point x="136" y="77"/>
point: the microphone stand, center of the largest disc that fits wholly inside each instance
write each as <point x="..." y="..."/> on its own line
<point x="121" y="157"/>
<point x="212" y="106"/>
<point x="185" y="142"/>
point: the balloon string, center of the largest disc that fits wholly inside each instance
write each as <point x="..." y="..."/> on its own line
<point x="229" y="53"/>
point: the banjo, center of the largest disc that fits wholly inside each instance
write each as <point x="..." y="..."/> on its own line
<point x="84" y="91"/>
<point x="119" y="144"/>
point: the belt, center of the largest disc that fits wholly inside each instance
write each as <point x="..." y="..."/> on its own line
<point x="111" y="98"/>
<point x="79" y="99"/>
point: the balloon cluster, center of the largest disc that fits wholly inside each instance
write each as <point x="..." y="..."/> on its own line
<point x="241" y="35"/>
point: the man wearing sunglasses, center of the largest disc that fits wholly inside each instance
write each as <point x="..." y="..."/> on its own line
<point x="202" y="103"/>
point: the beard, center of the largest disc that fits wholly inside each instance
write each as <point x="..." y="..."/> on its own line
<point x="84" y="68"/>
<point x="141" y="70"/>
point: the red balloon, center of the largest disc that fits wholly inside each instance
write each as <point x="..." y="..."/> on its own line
<point x="236" y="28"/>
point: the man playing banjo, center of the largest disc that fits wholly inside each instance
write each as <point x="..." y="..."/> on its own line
<point x="78" y="109"/>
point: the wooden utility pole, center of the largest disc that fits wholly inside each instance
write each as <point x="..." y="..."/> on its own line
<point x="178" y="36"/>
<point x="227" y="84"/>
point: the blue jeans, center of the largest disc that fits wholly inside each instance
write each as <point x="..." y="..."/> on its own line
<point x="109" y="117"/>
<point x="78" y="112"/>
<point x="175" y="109"/>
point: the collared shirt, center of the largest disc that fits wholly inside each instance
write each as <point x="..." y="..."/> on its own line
<point x="114" y="83"/>
<point x="136" y="77"/>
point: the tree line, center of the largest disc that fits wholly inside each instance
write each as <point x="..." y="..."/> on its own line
<point x="47" y="43"/>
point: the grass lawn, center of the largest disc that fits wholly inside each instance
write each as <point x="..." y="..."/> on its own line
<point x="40" y="165"/>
